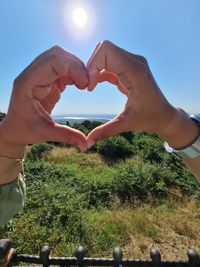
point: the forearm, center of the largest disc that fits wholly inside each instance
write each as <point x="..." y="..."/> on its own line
<point x="181" y="133"/>
<point x="194" y="166"/>
<point x="9" y="168"/>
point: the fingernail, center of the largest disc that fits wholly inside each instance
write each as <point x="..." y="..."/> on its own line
<point x="90" y="143"/>
<point x="89" y="88"/>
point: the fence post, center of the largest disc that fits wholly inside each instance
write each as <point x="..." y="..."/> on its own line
<point x="44" y="255"/>
<point x="80" y="254"/>
<point x="155" y="257"/>
<point x="118" y="255"/>
<point x="7" y="253"/>
<point x="194" y="259"/>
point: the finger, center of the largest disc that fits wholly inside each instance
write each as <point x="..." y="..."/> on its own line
<point x="63" y="82"/>
<point x="112" y="78"/>
<point x="94" y="52"/>
<point x="51" y="93"/>
<point x="61" y="133"/>
<point x="108" y="76"/>
<point x="52" y="51"/>
<point x="113" y="127"/>
<point x="54" y="67"/>
<point x="107" y="57"/>
<point x="79" y="75"/>
<point x="51" y="99"/>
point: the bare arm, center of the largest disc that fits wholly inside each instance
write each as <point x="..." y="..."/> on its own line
<point x="183" y="132"/>
<point x="9" y="169"/>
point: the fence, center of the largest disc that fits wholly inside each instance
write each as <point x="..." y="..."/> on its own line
<point x="10" y="257"/>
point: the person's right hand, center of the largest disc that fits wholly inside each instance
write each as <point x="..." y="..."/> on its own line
<point x="35" y="92"/>
<point x="146" y="109"/>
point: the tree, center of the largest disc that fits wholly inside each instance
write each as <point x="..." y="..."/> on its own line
<point x="2" y="115"/>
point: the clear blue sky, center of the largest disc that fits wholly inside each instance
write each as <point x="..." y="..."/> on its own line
<point x="166" y="32"/>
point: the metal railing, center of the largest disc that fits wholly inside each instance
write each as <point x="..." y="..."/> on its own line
<point x="9" y="257"/>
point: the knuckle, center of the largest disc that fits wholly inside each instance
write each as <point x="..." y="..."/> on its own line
<point x="56" y="48"/>
<point x="74" y="67"/>
<point x="98" y="44"/>
<point x="17" y="82"/>
<point x="140" y="68"/>
<point x="142" y="59"/>
<point x="106" y="44"/>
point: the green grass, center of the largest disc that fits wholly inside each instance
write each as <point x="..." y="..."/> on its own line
<point x="76" y="198"/>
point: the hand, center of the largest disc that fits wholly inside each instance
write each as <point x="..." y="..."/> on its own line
<point x="35" y="92"/>
<point x="146" y="109"/>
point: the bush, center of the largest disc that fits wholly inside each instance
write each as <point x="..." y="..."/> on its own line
<point x="115" y="148"/>
<point x="96" y="184"/>
<point x="148" y="147"/>
<point x="129" y="136"/>
<point x="81" y="128"/>
<point x="90" y="125"/>
<point x="39" y="151"/>
<point x="52" y="194"/>
<point x="182" y="178"/>
<point x="2" y="115"/>
<point x="141" y="181"/>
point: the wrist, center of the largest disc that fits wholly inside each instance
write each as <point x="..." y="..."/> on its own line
<point x="11" y="163"/>
<point x="181" y="131"/>
<point x="9" y="148"/>
<point x="9" y="167"/>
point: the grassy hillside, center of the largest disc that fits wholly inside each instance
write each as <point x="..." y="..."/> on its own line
<point x="125" y="191"/>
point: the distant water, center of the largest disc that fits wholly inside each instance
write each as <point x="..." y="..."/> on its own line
<point x="79" y="118"/>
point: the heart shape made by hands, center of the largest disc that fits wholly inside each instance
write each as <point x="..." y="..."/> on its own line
<point x="38" y="88"/>
<point x="145" y="107"/>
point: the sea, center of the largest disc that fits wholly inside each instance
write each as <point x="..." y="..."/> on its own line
<point x="79" y="118"/>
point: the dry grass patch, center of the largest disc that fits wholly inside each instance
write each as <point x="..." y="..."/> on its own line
<point x="74" y="157"/>
<point x="172" y="230"/>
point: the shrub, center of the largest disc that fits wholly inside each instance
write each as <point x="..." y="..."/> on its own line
<point x="138" y="182"/>
<point x="2" y="115"/>
<point x="148" y="147"/>
<point x="39" y="151"/>
<point x="81" y="128"/>
<point x="114" y="148"/>
<point x="129" y="136"/>
<point x="96" y="184"/>
<point x="52" y="190"/>
<point x="143" y="180"/>
<point x="182" y="176"/>
<point x="90" y="125"/>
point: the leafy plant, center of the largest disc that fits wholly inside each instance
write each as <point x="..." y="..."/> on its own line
<point x="39" y="151"/>
<point x="115" y="148"/>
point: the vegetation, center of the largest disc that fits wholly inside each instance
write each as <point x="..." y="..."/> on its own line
<point x="2" y="115"/>
<point x="125" y="191"/>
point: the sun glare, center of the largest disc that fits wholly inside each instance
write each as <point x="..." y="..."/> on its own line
<point x="79" y="17"/>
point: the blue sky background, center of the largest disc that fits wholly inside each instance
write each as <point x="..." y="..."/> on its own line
<point x="166" y="32"/>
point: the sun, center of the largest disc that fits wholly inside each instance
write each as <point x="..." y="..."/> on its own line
<point x="80" y="17"/>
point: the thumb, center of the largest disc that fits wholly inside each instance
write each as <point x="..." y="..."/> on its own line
<point x="113" y="127"/>
<point x="65" y="134"/>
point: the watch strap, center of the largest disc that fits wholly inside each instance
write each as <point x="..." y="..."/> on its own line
<point x="193" y="150"/>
